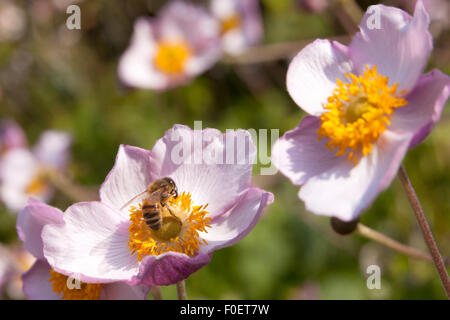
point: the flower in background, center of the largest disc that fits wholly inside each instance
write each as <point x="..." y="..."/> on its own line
<point x="167" y="51"/>
<point x="368" y="103"/>
<point x="315" y="6"/>
<point x="41" y="282"/>
<point x="11" y="136"/>
<point x="241" y="23"/>
<point x="13" y="262"/>
<point x="439" y="11"/>
<point x="12" y="21"/>
<point x="22" y="171"/>
<point x="216" y="207"/>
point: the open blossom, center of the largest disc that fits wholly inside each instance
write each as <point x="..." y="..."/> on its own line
<point x="22" y="170"/>
<point x="216" y="206"/>
<point x="240" y="21"/>
<point x="41" y="282"/>
<point x="169" y="50"/>
<point x="368" y="103"/>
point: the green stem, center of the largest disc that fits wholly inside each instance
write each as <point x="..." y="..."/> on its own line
<point x="425" y="228"/>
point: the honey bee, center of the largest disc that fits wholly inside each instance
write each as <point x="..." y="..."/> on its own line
<point x="157" y="195"/>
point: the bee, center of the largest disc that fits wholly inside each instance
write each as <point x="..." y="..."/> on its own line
<point x="157" y="195"/>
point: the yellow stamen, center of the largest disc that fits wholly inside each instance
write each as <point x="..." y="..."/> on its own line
<point x="358" y="112"/>
<point x="172" y="55"/>
<point x="37" y="186"/>
<point x="178" y="234"/>
<point x="71" y="290"/>
<point x="231" y="23"/>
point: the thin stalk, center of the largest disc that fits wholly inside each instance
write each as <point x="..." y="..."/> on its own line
<point x="156" y="293"/>
<point x="181" y="290"/>
<point x="68" y="187"/>
<point x="425" y="228"/>
<point x="391" y="243"/>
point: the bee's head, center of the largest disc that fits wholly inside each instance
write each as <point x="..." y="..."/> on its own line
<point x="173" y="187"/>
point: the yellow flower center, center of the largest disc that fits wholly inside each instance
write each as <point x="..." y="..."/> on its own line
<point x="358" y="112"/>
<point x="171" y="56"/>
<point x="231" y="23"/>
<point x="37" y="186"/>
<point x="72" y="289"/>
<point x="178" y="234"/>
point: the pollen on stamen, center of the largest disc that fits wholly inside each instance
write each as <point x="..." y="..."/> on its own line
<point x="61" y="285"/>
<point x="358" y="112"/>
<point x="171" y="56"/>
<point x="144" y="241"/>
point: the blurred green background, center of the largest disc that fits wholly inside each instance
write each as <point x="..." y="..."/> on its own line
<point x="55" y="78"/>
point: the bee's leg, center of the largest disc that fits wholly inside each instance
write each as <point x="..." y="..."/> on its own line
<point x="168" y="208"/>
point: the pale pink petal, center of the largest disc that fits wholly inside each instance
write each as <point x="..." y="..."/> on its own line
<point x="345" y="190"/>
<point x="136" y="67"/>
<point x="248" y="33"/>
<point x="424" y="108"/>
<point x="168" y="268"/>
<point x="35" y="282"/>
<point x="30" y="222"/>
<point x="19" y="168"/>
<point x="193" y="23"/>
<point x="123" y="291"/>
<point x="11" y="135"/>
<point x="215" y="168"/>
<point x="299" y="155"/>
<point x="232" y="226"/>
<point x="91" y="244"/>
<point x="52" y="149"/>
<point x="129" y="177"/>
<point x="312" y="74"/>
<point x="399" y="47"/>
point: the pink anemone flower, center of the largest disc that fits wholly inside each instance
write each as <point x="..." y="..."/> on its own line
<point x="22" y="170"/>
<point x="368" y="104"/>
<point x="42" y="282"/>
<point x="169" y="50"/>
<point x="241" y="23"/>
<point x="216" y="206"/>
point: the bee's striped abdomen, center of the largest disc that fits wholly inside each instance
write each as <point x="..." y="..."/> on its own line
<point x="152" y="215"/>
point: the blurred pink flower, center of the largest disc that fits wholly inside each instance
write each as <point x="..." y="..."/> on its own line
<point x="12" y="21"/>
<point x="316" y="6"/>
<point x="168" y="51"/>
<point x="241" y="23"/>
<point x="13" y="262"/>
<point x="368" y="104"/>
<point x="439" y="11"/>
<point x="22" y="169"/>
<point x="216" y="207"/>
<point x="41" y="282"/>
<point x="11" y="136"/>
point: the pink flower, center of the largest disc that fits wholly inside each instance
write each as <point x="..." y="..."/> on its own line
<point x="22" y="170"/>
<point x="216" y="207"/>
<point x="167" y="51"/>
<point x="11" y="136"/>
<point x="368" y="104"/>
<point x="41" y="282"/>
<point x="241" y="23"/>
<point x="13" y="262"/>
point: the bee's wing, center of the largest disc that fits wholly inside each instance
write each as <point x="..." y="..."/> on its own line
<point x="154" y="196"/>
<point x="140" y="195"/>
